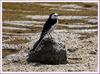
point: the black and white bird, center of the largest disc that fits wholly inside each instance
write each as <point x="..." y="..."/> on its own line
<point x="49" y="26"/>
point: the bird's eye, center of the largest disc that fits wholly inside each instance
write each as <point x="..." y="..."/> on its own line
<point x="55" y="15"/>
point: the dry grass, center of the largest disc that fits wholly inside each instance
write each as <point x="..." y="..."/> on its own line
<point x="78" y="3"/>
<point x="18" y="26"/>
<point x="20" y="16"/>
<point x="5" y="38"/>
<point x="17" y="41"/>
<point x="33" y="30"/>
<point x="75" y="28"/>
<point x="37" y="9"/>
<point x="6" y="52"/>
<point x="72" y="21"/>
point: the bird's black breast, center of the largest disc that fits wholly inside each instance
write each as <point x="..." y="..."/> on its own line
<point x="49" y="23"/>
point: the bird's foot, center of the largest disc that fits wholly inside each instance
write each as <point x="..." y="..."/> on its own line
<point x="50" y="36"/>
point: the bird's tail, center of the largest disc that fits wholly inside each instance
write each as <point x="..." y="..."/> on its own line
<point x="37" y="44"/>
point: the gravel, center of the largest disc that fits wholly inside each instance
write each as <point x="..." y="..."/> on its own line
<point x="82" y="59"/>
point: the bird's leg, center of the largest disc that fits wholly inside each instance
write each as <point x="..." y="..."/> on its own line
<point x="50" y="35"/>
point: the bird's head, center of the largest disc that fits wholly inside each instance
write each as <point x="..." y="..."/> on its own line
<point x="54" y="16"/>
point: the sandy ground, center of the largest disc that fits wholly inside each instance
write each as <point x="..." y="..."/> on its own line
<point x="83" y="58"/>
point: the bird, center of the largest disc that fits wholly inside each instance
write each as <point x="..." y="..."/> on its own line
<point x="49" y="26"/>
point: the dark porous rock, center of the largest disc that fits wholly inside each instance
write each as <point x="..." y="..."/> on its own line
<point x="48" y="52"/>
